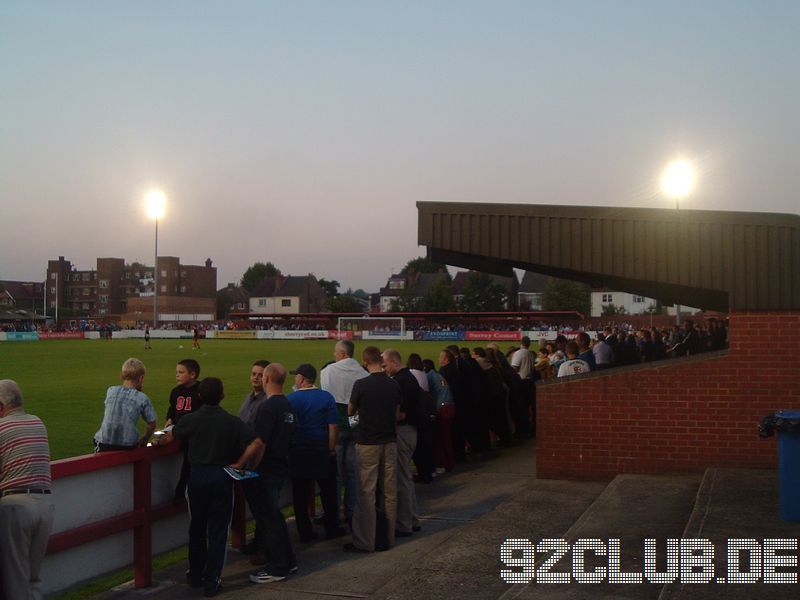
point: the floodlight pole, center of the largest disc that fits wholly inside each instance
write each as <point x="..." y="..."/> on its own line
<point x="677" y="306"/>
<point x="155" y="283"/>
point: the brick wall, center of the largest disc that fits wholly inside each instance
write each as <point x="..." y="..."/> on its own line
<point x="679" y="416"/>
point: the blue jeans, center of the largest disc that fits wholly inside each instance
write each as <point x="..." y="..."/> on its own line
<point x="210" y="508"/>
<point x="347" y="471"/>
<point x="270" y="520"/>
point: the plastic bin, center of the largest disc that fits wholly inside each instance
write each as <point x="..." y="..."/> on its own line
<point x="787" y="423"/>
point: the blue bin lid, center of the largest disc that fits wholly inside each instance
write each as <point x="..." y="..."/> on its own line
<point x="791" y="414"/>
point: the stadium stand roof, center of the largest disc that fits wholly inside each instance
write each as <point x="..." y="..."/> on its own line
<point x="719" y="260"/>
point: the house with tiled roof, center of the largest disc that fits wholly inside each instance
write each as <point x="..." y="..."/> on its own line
<point x="413" y="284"/>
<point x="232" y="298"/>
<point x="531" y="288"/>
<point x="22" y="295"/>
<point x="288" y="294"/>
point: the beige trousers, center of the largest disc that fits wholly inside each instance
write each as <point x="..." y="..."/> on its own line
<point x="376" y="475"/>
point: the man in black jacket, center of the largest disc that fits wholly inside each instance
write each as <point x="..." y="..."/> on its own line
<point x="449" y="370"/>
<point x="407" y="518"/>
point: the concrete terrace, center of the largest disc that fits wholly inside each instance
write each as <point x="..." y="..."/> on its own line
<point x="468" y="514"/>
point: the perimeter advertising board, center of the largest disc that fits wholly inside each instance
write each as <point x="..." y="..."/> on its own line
<point x="300" y="334"/>
<point x="21" y="336"/>
<point x="248" y="334"/>
<point x="62" y="335"/>
<point x="492" y="336"/>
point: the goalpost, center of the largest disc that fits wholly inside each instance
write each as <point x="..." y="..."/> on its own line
<point x="389" y="326"/>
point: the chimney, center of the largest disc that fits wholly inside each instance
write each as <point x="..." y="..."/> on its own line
<point x="208" y="263"/>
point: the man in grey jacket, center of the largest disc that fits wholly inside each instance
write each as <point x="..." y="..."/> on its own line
<point x="338" y="379"/>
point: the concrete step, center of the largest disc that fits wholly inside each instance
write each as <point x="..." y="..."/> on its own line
<point x="630" y="509"/>
<point x="466" y="565"/>
<point x="737" y="503"/>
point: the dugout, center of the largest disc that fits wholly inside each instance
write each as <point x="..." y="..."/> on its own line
<point x="677" y="416"/>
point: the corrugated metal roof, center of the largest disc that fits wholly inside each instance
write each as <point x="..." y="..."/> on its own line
<point x="717" y="260"/>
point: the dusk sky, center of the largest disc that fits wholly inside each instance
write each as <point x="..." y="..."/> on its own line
<point x="303" y="133"/>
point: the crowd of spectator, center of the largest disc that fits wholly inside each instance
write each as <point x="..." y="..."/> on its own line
<point x="615" y="346"/>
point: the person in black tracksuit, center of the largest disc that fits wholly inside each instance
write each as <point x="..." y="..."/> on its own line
<point x="183" y="400"/>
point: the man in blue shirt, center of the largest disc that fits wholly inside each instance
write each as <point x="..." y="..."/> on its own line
<point x="313" y="453"/>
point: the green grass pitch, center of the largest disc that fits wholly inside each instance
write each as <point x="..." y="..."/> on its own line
<point x="64" y="382"/>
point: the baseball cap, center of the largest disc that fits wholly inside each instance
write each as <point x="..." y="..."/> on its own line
<point x="306" y="370"/>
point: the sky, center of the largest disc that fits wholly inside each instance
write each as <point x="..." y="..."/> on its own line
<point x="304" y="133"/>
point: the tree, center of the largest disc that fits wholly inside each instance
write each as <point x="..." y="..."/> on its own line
<point x="344" y="303"/>
<point x="610" y="310"/>
<point x="561" y="294"/>
<point x="439" y="298"/>
<point x="482" y="294"/>
<point x="331" y="287"/>
<point x="256" y="273"/>
<point x="423" y="264"/>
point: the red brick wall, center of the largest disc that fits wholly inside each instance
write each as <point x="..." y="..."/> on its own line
<point x="680" y="416"/>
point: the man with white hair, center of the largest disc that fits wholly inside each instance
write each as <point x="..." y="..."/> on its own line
<point x="26" y="507"/>
<point x="338" y="379"/>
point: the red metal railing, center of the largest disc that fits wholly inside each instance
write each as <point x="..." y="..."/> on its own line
<point x="143" y="515"/>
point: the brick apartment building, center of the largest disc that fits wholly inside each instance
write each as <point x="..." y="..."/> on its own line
<point x="118" y="291"/>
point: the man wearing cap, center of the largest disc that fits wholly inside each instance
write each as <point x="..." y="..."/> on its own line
<point x="313" y="453"/>
<point x="26" y="507"/>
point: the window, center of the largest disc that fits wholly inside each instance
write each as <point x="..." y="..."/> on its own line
<point x="163" y="289"/>
<point x="103" y="299"/>
<point x="52" y="303"/>
<point x="53" y="275"/>
<point x="104" y="283"/>
<point x="85" y="291"/>
<point x="286" y="302"/>
<point x="183" y="274"/>
<point x="127" y="274"/>
<point x="262" y="301"/>
<point x="608" y="297"/>
<point x="183" y="289"/>
<point x="397" y="284"/>
<point x="102" y="311"/>
<point x="53" y="291"/>
<point x="638" y="299"/>
<point x="85" y="306"/>
<point x="163" y="273"/>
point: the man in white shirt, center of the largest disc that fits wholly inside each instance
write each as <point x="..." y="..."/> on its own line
<point x="603" y="353"/>
<point x="522" y="360"/>
<point x="525" y="395"/>
<point x="573" y="365"/>
<point x="338" y="379"/>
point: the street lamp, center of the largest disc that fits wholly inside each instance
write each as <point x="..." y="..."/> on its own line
<point x="677" y="182"/>
<point x="155" y="203"/>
